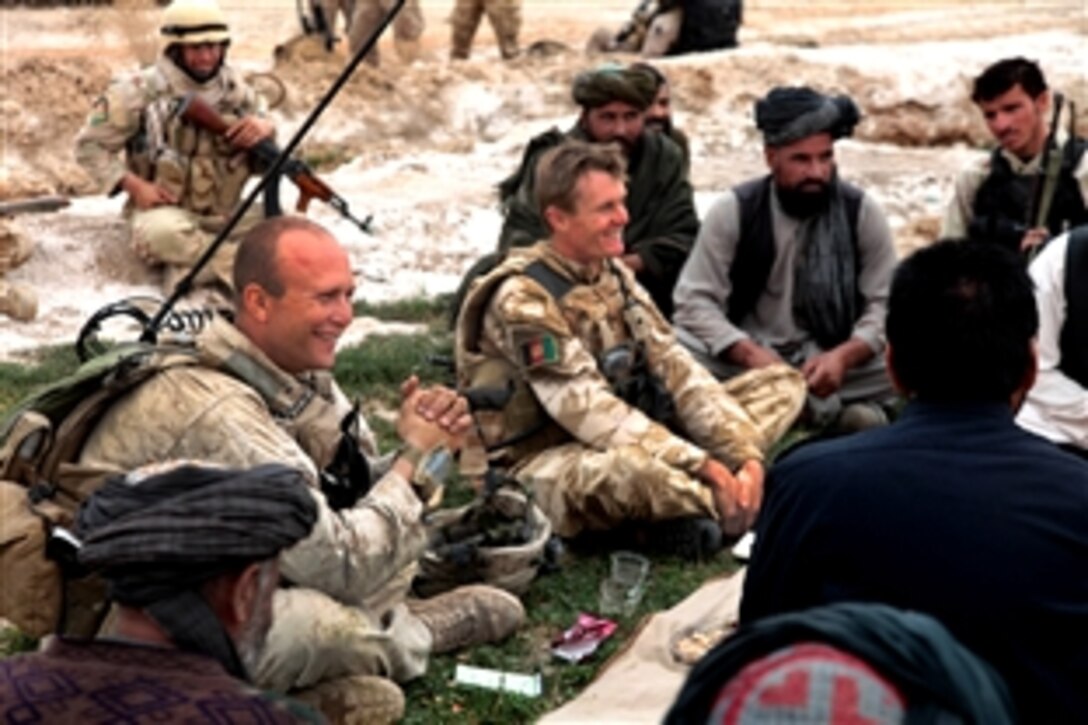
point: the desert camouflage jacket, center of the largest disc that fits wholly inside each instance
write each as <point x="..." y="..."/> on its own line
<point x="206" y="412"/>
<point x="554" y="345"/>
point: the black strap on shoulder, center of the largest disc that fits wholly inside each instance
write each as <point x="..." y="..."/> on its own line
<point x="556" y="284"/>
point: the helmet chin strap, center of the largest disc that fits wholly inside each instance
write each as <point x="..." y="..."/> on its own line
<point x="173" y="52"/>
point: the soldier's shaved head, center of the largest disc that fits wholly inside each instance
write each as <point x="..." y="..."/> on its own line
<point x="257" y="261"/>
<point x="294" y="288"/>
<point x="560" y="168"/>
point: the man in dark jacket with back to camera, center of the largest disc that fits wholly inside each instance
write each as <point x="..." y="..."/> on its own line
<point x="953" y="510"/>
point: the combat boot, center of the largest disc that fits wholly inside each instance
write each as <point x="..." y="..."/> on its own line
<point x="15" y="247"/>
<point x="508" y="46"/>
<point x="356" y="700"/>
<point x="468" y="616"/>
<point x="18" y="301"/>
<point x="461" y="42"/>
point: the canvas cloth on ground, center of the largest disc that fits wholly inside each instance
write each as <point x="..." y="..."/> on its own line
<point x="652" y="661"/>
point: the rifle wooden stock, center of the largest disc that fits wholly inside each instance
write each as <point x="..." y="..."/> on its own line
<point x="196" y="111"/>
<point x="309" y="186"/>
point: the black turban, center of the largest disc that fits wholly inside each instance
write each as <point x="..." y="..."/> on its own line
<point x="790" y="114"/>
<point x="156" y="537"/>
<point x="612" y="82"/>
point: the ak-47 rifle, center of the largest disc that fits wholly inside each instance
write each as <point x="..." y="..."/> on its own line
<point x="195" y="110"/>
<point x="185" y="284"/>
<point x="1046" y="181"/>
<point x="1049" y="167"/>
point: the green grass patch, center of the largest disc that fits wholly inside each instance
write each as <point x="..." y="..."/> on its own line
<point x="375" y="369"/>
<point x="431" y="311"/>
<point x="13" y="642"/>
<point x="552" y="604"/>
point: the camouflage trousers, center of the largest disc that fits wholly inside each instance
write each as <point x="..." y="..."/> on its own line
<point x="866" y="383"/>
<point x="505" y="19"/>
<point x="174" y="238"/>
<point x="582" y="488"/>
<point x="407" y="28"/>
<point x="315" y="638"/>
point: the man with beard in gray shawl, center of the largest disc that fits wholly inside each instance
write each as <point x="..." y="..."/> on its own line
<point x="189" y="554"/>
<point x="794" y="266"/>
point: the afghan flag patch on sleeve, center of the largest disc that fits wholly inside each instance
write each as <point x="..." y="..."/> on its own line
<point x="537" y="349"/>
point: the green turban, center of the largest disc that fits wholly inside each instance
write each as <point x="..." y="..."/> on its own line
<point x="614" y="82"/>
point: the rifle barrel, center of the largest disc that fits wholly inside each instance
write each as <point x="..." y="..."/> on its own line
<point x="32" y="205"/>
<point x="1043" y="185"/>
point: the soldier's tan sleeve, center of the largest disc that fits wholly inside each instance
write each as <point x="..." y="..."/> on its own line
<point x="525" y="323"/>
<point x="350" y="553"/>
<point x="710" y="416"/>
<point x="114" y="118"/>
<point x="205" y="415"/>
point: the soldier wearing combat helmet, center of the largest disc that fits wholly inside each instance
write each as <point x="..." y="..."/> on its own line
<point x="182" y="182"/>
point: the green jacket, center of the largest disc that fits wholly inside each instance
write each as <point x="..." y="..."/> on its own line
<point x="663" y="223"/>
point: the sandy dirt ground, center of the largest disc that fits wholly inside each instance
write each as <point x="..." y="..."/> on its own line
<point x="421" y="146"/>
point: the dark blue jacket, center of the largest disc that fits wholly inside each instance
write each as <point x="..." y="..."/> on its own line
<point x="953" y="511"/>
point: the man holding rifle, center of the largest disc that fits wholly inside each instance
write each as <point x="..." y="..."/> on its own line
<point x="182" y="181"/>
<point x="1035" y="184"/>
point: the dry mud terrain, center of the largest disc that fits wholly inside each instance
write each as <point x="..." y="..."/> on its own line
<point x="420" y="146"/>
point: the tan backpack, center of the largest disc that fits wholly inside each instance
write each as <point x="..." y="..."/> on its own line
<point x="42" y="485"/>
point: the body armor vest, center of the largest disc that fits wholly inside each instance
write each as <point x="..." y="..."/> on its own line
<point x="200" y="168"/>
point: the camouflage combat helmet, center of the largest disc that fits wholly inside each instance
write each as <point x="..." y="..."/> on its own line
<point x="501" y="539"/>
<point x="189" y="22"/>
